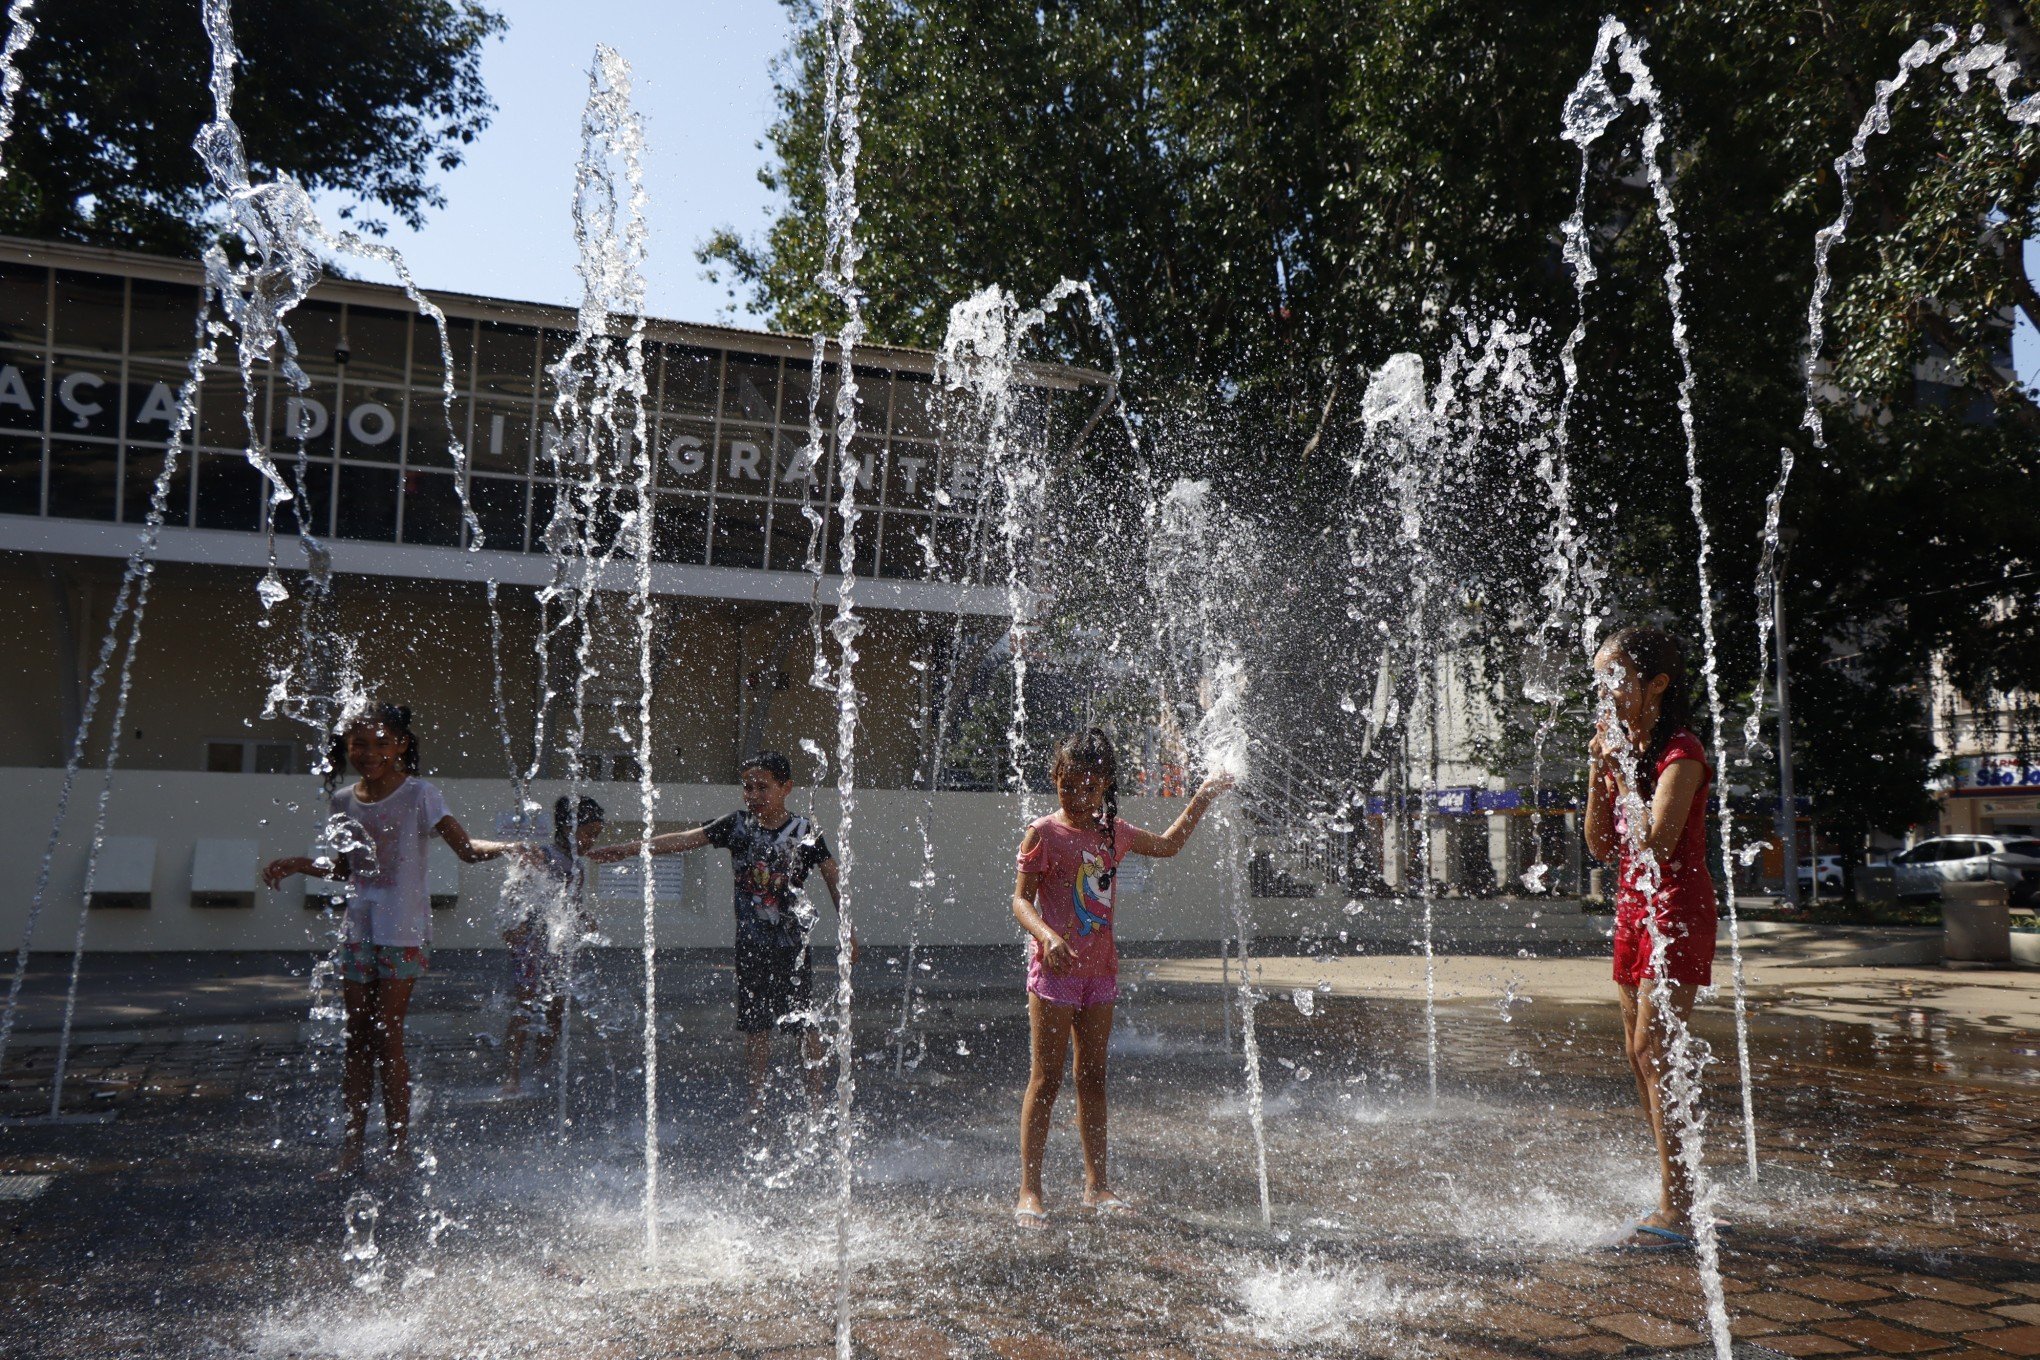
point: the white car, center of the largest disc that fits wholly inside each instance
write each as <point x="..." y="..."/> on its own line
<point x="1826" y="869"/>
<point x="2014" y="861"/>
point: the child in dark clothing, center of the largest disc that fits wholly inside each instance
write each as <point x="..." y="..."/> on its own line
<point x="772" y="851"/>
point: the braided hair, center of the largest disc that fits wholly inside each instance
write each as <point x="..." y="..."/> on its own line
<point x="1089" y="751"/>
<point x="395" y="717"/>
<point x="570" y="816"/>
<point x="1652" y="652"/>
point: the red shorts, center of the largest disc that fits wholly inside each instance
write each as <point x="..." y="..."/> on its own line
<point x="1689" y="950"/>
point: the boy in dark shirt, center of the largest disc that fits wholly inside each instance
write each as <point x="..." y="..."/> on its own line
<point x="772" y="851"/>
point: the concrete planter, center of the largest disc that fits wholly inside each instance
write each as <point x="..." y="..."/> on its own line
<point x="2026" y="947"/>
<point x="1976" y="932"/>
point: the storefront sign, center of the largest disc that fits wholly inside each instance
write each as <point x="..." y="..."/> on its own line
<point x="1976" y="776"/>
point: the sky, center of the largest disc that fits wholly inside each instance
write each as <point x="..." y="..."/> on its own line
<point x="703" y="85"/>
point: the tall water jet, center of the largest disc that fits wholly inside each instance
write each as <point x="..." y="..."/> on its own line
<point x="1195" y="564"/>
<point x="601" y="448"/>
<point x="20" y="30"/>
<point x="842" y="143"/>
<point x="1590" y="111"/>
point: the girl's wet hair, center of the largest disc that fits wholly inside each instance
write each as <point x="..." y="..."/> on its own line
<point x="1652" y="652"/>
<point x="570" y="816"/>
<point x="395" y="717"/>
<point x="1090" y="752"/>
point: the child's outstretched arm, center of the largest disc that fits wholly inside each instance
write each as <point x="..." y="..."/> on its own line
<point x="665" y="843"/>
<point x="470" y="850"/>
<point x="1172" y="840"/>
<point x="1055" y="950"/>
<point x="277" y="870"/>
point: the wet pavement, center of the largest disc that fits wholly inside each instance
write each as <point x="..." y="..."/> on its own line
<point x="1897" y="1211"/>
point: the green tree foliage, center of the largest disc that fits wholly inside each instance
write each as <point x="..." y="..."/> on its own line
<point x="1277" y="194"/>
<point x="363" y="98"/>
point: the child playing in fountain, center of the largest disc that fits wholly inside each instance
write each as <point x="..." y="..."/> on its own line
<point x="1064" y="898"/>
<point x="1646" y="759"/>
<point x="542" y="937"/>
<point x="386" y="938"/>
<point x="772" y="851"/>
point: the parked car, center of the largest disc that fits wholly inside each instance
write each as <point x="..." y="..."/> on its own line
<point x="2014" y="861"/>
<point x="1825" y="870"/>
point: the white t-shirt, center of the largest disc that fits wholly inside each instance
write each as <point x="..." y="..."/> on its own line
<point x="391" y="901"/>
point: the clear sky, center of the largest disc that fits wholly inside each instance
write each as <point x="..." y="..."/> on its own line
<point x="703" y="85"/>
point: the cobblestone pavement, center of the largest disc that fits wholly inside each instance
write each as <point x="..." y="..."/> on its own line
<point x="174" y="1212"/>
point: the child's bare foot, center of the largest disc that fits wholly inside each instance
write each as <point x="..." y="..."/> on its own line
<point x="1029" y="1211"/>
<point x="1108" y="1205"/>
<point x="348" y="1165"/>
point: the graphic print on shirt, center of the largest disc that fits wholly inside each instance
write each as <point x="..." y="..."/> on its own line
<point x="1091" y="894"/>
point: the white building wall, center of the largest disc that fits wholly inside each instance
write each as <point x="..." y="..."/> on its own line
<point x="975" y="837"/>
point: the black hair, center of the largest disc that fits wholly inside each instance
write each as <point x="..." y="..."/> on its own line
<point x="1090" y="752"/>
<point x="1652" y="652"/>
<point x="395" y="717"/>
<point x="570" y="816"/>
<point x="773" y="763"/>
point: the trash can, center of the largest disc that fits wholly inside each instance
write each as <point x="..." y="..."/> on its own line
<point x="1976" y="923"/>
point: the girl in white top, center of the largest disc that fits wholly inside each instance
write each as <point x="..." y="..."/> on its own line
<point x="386" y="942"/>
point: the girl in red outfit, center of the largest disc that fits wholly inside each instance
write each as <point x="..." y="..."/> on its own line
<point x="1064" y="898"/>
<point x="1647" y="811"/>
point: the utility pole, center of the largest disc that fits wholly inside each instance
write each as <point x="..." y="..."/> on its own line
<point x="1788" y="815"/>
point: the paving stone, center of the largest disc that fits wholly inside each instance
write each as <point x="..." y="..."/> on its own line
<point x="1934" y="1316"/>
<point x="1522" y="1322"/>
<point x="905" y="1340"/>
<point x="1788" y="1307"/>
<point x="1810" y="1343"/>
<point x="2019" y="1312"/>
<point x="1586" y="1345"/>
<point x="1834" y="1288"/>
<point x="2011" y="1340"/>
<point x="1874" y="1335"/>
<point x="1034" y="1346"/>
<point x="1648" y="1330"/>
<point x="1934" y="1287"/>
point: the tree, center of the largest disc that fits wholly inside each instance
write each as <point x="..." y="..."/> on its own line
<point x="1276" y="197"/>
<point x="364" y="98"/>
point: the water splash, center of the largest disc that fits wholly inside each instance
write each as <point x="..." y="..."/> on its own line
<point x="20" y="30"/>
<point x="359" y="1251"/>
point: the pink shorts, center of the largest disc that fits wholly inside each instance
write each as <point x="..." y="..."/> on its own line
<point x="1064" y="990"/>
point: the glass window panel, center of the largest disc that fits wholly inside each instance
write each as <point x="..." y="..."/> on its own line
<point x="273" y="757"/>
<point x="431" y="509"/>
<point x="224" y="757"/>
<point x="793" y="531"/>
<point x="376" y="343"/>
<point x="305" y="416"/>
<point x="87" y="393"/>
<point x="900" y="550"/>
<point x="793" y="411"/>
<point x="499" y="505"/>
<point x="373" y="424"/>
<point x="910" y="476"/>
<point x="315" y="327"/>
<point x="744" y="461"/>
<point x="680" y="529"/>
<point x="139" y="469"/>
<point x="426" y="441"/>
<point x="962" y="469"/>
<point x="795" y="477"/>
<point x="506" y="360"/>
<point x="684" y="462"/>
<point x="426" y="367"/>
<point x="366" y="507"/>
<point x="750" y="388"/>
<point x="544" y="498"/>
<point x="866" y="456"/>
<point x="152" y="402"/>
<point x="874" y="396"/>
<point x="20" y="476"/>
<point x="691" y="380"/>
<point x="954" y="558"/>
<point x="913" y="412"/>
<point x="90" y="311"/>
<point x="502" y="436"/>
<point x="222" y="423"/>
<point x="737" y="533"/>
<point x="25" y="305"/>
<point x="83" y="479"/>
<point x="313" y="499"/>
<point x="230" y="492"/>
<point x="21" y="390"/>
<point x="161" y="324"/>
